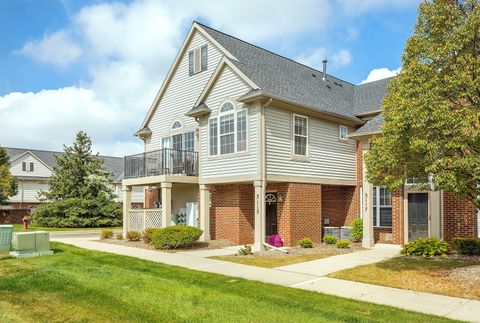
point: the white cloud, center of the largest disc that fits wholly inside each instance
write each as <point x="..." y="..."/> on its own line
<point x="57" y="49"/>
<point x="380" y="73"/>
<point x="315" y="57"/>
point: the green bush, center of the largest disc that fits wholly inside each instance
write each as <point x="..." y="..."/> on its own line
<point x="133" y="236"/>
<point x="356" y="230"/>
<point x="119" y="236"/>
<point x="342" y="244"/>
<point x="147" y="234"/>
<point x="328" y="239"/>
<point x="106" y="234"/>
<point x="78" y="213"/>
<point x="245" y="250"/>
<point x="178" y="236"/>
<point x="306" y="243"/>
<point x="426" y="247"/>
<point x="466" y="246"/>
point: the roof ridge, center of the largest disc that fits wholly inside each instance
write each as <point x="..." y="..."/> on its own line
<point x="51" y="151"/>
<point x="271" y="52"/>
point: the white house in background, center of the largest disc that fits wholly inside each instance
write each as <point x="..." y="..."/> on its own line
<point x="32" y="168"/>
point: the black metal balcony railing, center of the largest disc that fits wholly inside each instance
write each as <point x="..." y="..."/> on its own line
<point x="165" y="161"/>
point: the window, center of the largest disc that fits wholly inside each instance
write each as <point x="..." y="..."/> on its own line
<point x="177" y="141"/>
<point x="228" y="131"/>
<point x="343" y="132"/>
<point x="189" y="141"/>
<point x="382" y="207"/>
<point x="300" y="135"/>
<point x="166" y="142"/>
<point x="176" y="125"/>
<point x="27" y="166"/>
<point x="197" y="60"/>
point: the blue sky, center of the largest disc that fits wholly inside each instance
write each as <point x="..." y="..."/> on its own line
<point x="71" y="65"/>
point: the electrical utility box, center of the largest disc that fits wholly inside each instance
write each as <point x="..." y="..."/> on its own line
<point x="30" y="244"/>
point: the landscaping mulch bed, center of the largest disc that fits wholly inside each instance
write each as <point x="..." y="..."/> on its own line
<point x="327" y="249"/>
<point x="213" y="244"/>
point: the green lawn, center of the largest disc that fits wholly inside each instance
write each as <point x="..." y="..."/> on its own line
<point x="31" y="227"/>
<point x="77" y="285"/>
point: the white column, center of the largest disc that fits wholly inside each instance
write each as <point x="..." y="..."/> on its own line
<point x="259" y="216"/>
<point x="127" y="205"/>
<point x="166" y="204"/>
<point x="368" y="241"/>
<point x="205" y="212"/>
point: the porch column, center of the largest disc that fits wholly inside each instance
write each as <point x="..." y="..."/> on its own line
<point x="368" y="236"/>
<point x="259" y="216"/>
<point x="127" y="205"/>
<point x="166" y="204"/>
<point x="204" y="212"/>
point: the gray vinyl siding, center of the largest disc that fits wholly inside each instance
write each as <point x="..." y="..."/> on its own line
<point x="181" y="94"/>
<point x="29" y="189"/>
<point x="329" y="157"/>
<point x="39" y="169"/>
<point x="229" y="86"/>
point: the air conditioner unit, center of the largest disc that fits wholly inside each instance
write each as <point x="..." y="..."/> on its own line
<point x="31" y="244"/>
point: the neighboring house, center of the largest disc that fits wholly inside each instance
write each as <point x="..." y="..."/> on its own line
<point x="260" y="144"/>
<point x="32" y="168"/>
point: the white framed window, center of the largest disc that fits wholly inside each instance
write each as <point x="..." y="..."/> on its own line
<point x="28" y="166"/>
<point x="176" y="125"/>
<point x="382" y="207"/>
<point x="300" y="135"/>
<point x="228" y="132"/>
<point x="343" y="132"/>
<point x="180" y="141"/>
<point x="197" y="60"/>
<point x="166" y="142"/>
<point x="189" y="141"/>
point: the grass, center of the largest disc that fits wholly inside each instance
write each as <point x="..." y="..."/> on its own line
<point x="77" y="285"/>
<point x="416" y="273"/>
<point x="32" y="227"/>
<point x="271" y="262"/>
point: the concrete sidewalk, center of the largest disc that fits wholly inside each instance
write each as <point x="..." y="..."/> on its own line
<point x="306" y="278"/>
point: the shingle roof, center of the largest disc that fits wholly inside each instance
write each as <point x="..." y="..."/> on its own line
<point x="113" y="165"/>
<point x="290" y="80"/>
<point x="372" y="126"/>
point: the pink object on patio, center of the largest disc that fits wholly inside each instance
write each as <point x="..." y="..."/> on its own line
<point x="275" y="240"/>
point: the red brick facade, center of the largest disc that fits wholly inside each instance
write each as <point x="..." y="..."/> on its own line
<point x="398" y="223"/>
<point x="152" y="195"/>
<point x="340" y="204"/>
<point x="460" y="217"/>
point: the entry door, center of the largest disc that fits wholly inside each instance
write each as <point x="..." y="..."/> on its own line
<point x="417" y="216"/>
<point x="271" y="214"/>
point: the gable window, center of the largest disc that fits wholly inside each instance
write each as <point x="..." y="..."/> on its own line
<point x="300" y="135"/>
<point x="382" y="207"/>
<point x="343" y="132"/>
<point x="27" y="166"/>
<point x="176" y="125"/>
<point x="197" y="60"/>
<point x="228" y="131"/>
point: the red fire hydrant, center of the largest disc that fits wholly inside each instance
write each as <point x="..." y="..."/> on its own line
<point x="25" y="222"/>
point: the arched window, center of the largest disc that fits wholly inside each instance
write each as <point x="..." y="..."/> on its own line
<point x="176" y="125"/>
<point x="226" y="107"/>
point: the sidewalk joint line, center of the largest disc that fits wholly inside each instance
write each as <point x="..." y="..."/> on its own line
<point x="307" y="282"/>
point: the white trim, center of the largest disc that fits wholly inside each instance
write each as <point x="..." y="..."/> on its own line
<point x="307" y="150"/>
<point x="376" y="204"/>
<point x="16" y="157"/>
<point x="340" y="128"/>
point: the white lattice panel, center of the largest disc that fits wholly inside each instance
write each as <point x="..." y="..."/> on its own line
<point x="153" y="218"/>
<point x="135" y="220"/>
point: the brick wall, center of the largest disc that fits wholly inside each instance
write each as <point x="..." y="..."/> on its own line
<point x="398" y="223"/>
<point x="460" y="217"/>
<point x="232" y="213"/>
<point x="340" y="204"/>
<point x="13" y="216"/>
<point x="152" y="195"/>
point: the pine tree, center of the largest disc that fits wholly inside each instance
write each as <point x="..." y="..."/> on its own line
<point x="8" y="183"/>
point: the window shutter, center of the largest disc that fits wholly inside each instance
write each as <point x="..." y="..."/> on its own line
<point x="197" y="61"/>
<point x="31" y="167"/>
<point x="24" y="166"/>
<point x="190" y="63"/>
<point x="204" y="57"/>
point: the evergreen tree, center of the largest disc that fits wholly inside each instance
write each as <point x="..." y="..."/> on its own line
<point x="8" y="183"/>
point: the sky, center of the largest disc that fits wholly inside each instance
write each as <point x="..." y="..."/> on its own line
<point x="70" y="65"/>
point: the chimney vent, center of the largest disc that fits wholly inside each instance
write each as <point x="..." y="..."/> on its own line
<point x="324" y="77"/>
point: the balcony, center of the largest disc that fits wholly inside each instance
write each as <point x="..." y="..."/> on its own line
<point x="165" y="161"/>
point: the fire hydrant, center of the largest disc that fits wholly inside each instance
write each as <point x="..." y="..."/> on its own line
<point x="25" y="222"/>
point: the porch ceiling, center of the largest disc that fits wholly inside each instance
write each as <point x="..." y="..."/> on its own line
<point x="149" y="180"/>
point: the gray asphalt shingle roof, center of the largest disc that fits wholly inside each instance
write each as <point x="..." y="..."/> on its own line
<point x="370" y="127"/>
<point x="113" y="165"/>
<point x="299" y="83"/>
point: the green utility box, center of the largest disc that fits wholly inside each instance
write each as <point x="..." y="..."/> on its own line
<point x="6" y="231"/>
<point x="31" y="244"/>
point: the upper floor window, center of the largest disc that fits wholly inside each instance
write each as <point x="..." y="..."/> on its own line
<point x="197" y="60"/>
<point x="228" y="132"/>
<point x="343" y="132"/>
<point x="300" y="135"/>
<point x="382" y="207"/>
<point x="176" y="125"/>
<point x="27" y="166"/>
<point x="180" y="141"/>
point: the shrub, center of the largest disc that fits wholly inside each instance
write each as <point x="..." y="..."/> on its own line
<point x="466" y="246"/>
<point x="328" y="239"/>
<point x="306" y="243"/>
<point x="426" y="247"/>
<point x="78" y="213"/>
<point x="245" y="250"/>
<point x="119" y="236"/>
<point x="357" y="230"/>
<point x="342" y="244"/>
<point x="106" y="234"/>
<point x="133" y="235"/>
<point x="178" y="236"/>
<point x="147" y="234"/>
